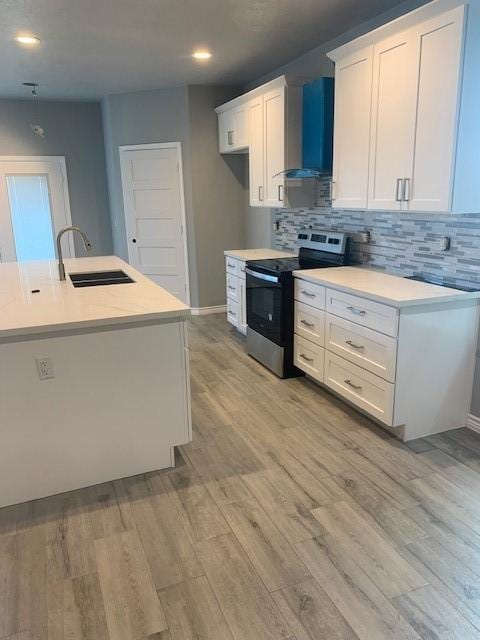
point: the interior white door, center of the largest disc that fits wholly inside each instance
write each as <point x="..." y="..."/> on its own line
<point x="34" y="206"/>
<point x="155" y="215"/>
<point x="438" y="51"/>
<point x="393" y="120"/>
<point x="256" y="152"/>
<point x="353" y="102"/>
<point x="274" y="136"/>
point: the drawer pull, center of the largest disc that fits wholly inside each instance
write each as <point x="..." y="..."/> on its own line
<point x="354" y="386"/>
<point x="229" y="264"/>
<point x="308" y="294"/>
<point x="232" y="288"/>
<point x="307" y="324"/>
<point x="358" y="312"/>
<point x="232" y="313"/>
<point x="355" y="346"/>
<point x="306" y="358"/>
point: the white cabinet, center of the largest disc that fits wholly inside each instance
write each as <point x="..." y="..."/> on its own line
<point x="439" y="54"/>
<point x="410" y="368"/>
<point x="236" y="293"/>
<point x="256" y="152"/>
<point x="397" y="115"/>
<point x="274" y="119"/>
<point x="351" y="140"/>
<point x="393" y="120"/>
<point x="275" y="148"/>
<point x="233" y="130"/>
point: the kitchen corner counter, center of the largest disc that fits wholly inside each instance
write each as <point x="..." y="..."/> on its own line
<point x="58" y="306"/>
<point x="257" y="254"/>
<point x="382" y="287"/>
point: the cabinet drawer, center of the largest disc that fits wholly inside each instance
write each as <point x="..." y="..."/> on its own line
<point x="232" y="312"/>
<point x="374" y="315"/>
<point x="232" y="287"/>
<point x="309" y="357"/>
<point x="366" y="348"/>
<point x="369" y="392"/>
<point x="232" y="266"/>
<point x="310" y="323"/>
<point x="310" y="293"/>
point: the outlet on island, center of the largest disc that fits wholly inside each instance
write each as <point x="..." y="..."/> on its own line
<point x="45" y="368"/>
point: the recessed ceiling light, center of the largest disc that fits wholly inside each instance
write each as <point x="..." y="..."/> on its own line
<point x="202" y="55"/>
<point x="27" y="39"/>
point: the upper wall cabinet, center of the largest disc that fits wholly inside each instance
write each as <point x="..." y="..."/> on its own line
<point x="233" y="130"/>
<point x="397" y="114"/>
<point x="273" y="121"/>
<point x="351" y="140"/>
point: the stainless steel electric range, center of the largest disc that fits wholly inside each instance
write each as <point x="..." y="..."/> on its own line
<point x="270" y="297"/>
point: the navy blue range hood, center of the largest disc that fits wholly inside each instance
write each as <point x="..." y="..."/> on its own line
<point x="317" y="130"/>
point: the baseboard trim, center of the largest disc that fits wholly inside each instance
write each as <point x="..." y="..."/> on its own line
<point x="473" y="423"/>
<point x="206" y="311"/>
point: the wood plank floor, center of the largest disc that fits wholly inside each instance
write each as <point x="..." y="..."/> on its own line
<point x="289" y="516"/>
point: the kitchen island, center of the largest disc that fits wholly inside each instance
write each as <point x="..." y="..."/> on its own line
<point x="94" y="380"/>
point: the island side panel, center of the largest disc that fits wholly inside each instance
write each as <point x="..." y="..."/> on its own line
<point x="118" y="404"/>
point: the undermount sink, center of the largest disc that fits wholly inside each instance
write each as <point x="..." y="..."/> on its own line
<point x="98" y="278"/>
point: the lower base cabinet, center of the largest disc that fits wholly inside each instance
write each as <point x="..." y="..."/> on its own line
<point x="309" y="357"/>
<point x="409" y="368"/>
<point x="236" y="294"/>
<point x="364" y="389"/>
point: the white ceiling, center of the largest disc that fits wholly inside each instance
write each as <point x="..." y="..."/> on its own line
<point x="90" y="48"/>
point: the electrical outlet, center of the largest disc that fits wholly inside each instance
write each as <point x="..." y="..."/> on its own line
<point x="45" y="368"/>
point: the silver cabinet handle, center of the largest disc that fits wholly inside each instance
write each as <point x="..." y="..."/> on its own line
<point x="280" y="192"/>
<point x="231" y="313"/>
<point x="232" y="288"/>
<point x="332" y="196"/>
<point x="260" y="193"/>
<point x="355" y="346"/>
<point x="230" y="137"/>
<point x="358" y="312"/>
<point x="304" y="357"/>
<point x="308" y="294"/>
<point x="230" y="264"/>
<point x="354" y="386"/>
<point x="406" y="190"/>
<point x="307" y="324"/>
<point x="399" y="191"/>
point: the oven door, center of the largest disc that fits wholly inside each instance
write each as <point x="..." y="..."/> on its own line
<point x="264" y="304"/>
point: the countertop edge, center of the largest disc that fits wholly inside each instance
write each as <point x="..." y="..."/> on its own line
<point x="234" y="253"/>
<point x="114" y="323"/>
<point x="399" y="304"/>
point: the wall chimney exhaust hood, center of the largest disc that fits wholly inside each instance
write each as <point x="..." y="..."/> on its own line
<point x="317" y="131"/>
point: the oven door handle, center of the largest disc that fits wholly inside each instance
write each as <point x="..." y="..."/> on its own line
<point x="261" y="276"/>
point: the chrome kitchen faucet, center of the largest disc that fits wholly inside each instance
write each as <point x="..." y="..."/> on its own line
<point x="86" y="242"/>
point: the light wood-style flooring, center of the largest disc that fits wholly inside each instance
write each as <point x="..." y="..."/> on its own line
<point x="289" y="517"/>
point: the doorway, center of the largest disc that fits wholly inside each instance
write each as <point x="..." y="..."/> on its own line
<point x="154" y="205"/>
<point x="34" y="206"/>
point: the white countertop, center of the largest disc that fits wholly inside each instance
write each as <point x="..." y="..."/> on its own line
<point x="59" y="306"/>
<point x="258" y="254"/>
<point x="382" y="287"/>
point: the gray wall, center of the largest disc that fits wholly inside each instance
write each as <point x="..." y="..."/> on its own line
<point x="73" y="130"/>
<point x="214" y="186"/>
<point x="142" y="118"/>
<point x="218" y="189"/>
